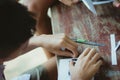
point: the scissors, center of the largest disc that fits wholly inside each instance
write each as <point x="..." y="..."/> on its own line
<point x="88" y="42"/>
<point x="90" y="4"/>
<point x="82" y="41"/>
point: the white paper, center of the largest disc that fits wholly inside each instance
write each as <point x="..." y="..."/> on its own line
<point x="113" y="51"/>
<point x="23" y="77"/>
<point x="63" y="69"/>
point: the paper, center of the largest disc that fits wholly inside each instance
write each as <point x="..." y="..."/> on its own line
<point x="23" y="77"/>
<point x="63" y="69"/>
<point x="118" y="45"/>
<point x="113" y="50"/>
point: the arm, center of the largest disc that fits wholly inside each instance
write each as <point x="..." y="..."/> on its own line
<point x="38" y="6"/>
<point x="41" y="6"/>
<point x="87" y="65"/>
<point x="51" y="68"/>
<point x="53" y="43"/>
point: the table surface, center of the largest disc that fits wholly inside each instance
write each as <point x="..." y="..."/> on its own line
<point x="78" y="22"/>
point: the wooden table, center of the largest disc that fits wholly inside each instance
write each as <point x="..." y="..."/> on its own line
<point x="78" y="22"/>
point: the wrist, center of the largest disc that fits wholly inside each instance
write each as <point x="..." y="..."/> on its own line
<point x="35" y="41"/>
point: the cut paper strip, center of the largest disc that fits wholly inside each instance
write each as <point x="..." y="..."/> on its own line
<point x="113" y="51"/>
<point x="118" y="45"/>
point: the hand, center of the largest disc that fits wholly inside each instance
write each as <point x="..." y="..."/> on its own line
<point x="86" y="66"/>
<point x="116" y="3"/>
<point x="55" y="43"/>
<point x="69" y="2"/>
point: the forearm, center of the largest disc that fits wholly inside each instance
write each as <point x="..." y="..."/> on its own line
<point x="38" y="41"/>
<point x="30" y="44"/>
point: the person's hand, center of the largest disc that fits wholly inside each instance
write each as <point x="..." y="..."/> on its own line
<point x="86" y="66"/>
<point x="55" y="44"/>
<point x="116" y="3"/>
<point x="69" y="2"/>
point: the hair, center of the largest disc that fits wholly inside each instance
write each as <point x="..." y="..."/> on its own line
<point x="15" y="26"/>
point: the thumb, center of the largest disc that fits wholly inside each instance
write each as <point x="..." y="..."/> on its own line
<point x="71" y="65"/>
<point x="65" y="53"/>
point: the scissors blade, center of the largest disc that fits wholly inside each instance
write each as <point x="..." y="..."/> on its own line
<point x="88" y="42"/>
<point x="102" y="2"/>
<point x="93" y="43"/>
<point x="90" y="6"/>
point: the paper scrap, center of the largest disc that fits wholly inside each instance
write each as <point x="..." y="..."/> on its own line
<point x="23" y="77"/>
<point x="113" y="50"/>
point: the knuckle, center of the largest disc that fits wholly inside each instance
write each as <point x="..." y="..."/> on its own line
<point x="74" y="48"/>
<point x="62" y="41"/>
<point x="98" y="55"/>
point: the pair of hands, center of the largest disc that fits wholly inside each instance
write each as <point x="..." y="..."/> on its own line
<point x="88" y="62"/>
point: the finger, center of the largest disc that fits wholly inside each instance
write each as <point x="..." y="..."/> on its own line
<point x="71" y="42"/>
<point x="71" y="65"/>
<point x="84" y="53"/>
<point x="70" y="45"/>
<point x="98" y="64"/>
<point x="95" y="58"/>
<point x="74" y="44"/>
<point x="72" y="48"/>
<point x="91" y="53"/>
<point x="64" y="53"/>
